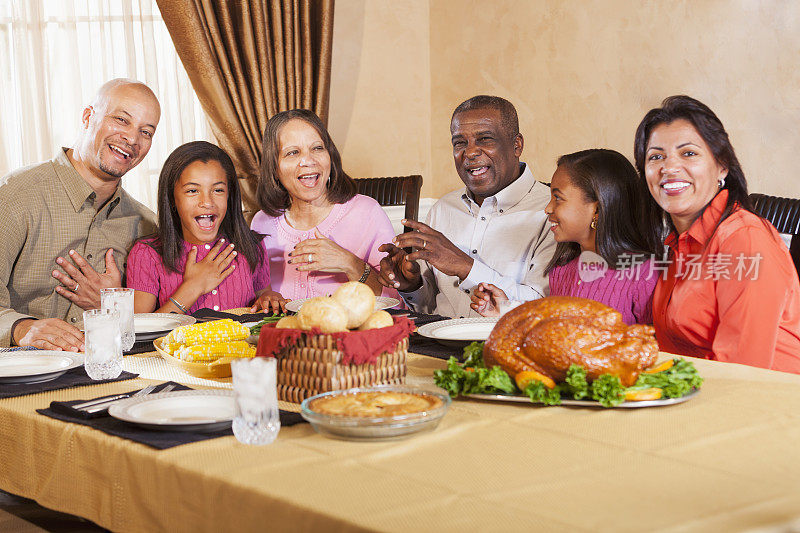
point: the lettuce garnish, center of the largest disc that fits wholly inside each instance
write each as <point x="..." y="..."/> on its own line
<point x="575" y="385"/>
<point x="608" y="390"/>
<point x="678" y="380"/>
<point x="537" y="392"/>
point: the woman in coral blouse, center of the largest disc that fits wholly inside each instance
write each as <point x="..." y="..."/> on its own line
<point x="730" y="291"/>
<point x="319" y="232"/>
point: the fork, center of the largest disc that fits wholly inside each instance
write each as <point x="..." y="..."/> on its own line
<point x="147" y="390"/>
<point x="89" y="406"/>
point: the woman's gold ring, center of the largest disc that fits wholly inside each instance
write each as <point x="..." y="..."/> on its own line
<point x="424" y="243"/>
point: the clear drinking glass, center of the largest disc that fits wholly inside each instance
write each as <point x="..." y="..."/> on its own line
<point x="257" y="420"/>
<point x="103" y="343"/>
<point x="122" y="301"/>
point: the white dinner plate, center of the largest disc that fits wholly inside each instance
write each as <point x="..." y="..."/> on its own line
<point x="381" y="302"/>
<point x="186" y="410"/>
<point x="149" y="326"/>
<point x="36" y="366"/>
<point x="459" y="329"/>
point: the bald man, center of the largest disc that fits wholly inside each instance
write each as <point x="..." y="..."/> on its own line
<point x="68" y="223"/>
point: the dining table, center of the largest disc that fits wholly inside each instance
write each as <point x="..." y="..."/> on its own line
<point x="728" y="459"/>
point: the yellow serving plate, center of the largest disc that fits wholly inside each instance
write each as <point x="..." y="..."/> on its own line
<point x="221" y="368"/>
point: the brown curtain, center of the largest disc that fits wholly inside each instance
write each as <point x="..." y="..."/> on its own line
<point x="249" y="59"/>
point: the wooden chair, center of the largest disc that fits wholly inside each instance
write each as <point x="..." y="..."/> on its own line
<point x="399" y="190"/>
<point x="784" y="214"/>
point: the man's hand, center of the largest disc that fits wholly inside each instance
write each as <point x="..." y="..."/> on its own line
<point x="48" y="334"/>
<point x="397" y="271"/>
<point x="82" y="283"/>
<point x="270" y="300"/>
<point x="434" y="248"/>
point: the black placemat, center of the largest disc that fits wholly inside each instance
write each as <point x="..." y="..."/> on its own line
<point x="205" y="314"/>
<point x="420" y="319"/>
<point x="143" y="346"/>
<point x="160" y="440"/>
<point x="76" y="377"/>
<point x="426" y="346"/>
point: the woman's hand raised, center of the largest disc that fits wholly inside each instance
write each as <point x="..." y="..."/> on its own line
<point x="206" y="275"/>
<point x="321" y="253"/>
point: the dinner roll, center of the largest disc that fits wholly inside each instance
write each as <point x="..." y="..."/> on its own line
<point x="324" y="313"/>
<point x="359" y="301"/>
<point x="378" y="319"/>
<point x="288" y="322"/>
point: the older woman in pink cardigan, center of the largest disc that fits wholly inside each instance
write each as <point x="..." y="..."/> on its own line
<point x="319" y="232"/>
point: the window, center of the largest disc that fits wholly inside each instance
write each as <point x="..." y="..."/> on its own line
<point x="55" y="54"/>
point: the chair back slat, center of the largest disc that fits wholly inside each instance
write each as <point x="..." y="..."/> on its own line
<point x="784" y="214"/>
<point x="397" y="190"/>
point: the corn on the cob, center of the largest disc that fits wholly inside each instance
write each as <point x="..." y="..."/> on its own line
<point x="210" y="352"/>
<point x="171" y="347"/>
<point x="225" y="330"/>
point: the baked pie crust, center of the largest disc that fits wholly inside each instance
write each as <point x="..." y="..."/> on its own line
<point x="375" y="404"/>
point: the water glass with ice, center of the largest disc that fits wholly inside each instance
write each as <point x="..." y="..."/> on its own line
<point x="122" y="301"/>
<point x="103" y="341"/>
<point x="257" y="420"/>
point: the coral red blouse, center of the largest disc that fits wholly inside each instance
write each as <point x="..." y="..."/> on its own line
<point x="730" y="293"/>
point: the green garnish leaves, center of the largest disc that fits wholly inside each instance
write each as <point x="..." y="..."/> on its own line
<point x="473" y="355"/>
<point x="575" y="384"/>
<point x="462" y="379"/>
<point x="607" y="390"/>
<point x="451" y="379"/>
<point x="538" y="392"/>
<point x="493" y="380"/>
<point x="678" y="380"/>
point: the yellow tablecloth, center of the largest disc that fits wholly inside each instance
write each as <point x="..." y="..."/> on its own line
<point x="727" y="460"/>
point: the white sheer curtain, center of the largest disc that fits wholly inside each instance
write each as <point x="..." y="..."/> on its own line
<point x="54" y="54"/>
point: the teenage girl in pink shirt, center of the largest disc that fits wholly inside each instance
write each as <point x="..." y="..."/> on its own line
<point x="594" y="197"/>
<point x="203" y="255"/>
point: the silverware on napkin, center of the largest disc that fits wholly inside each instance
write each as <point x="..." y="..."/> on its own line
<point x="92" y="403"/>
<point x="104" y="407"/>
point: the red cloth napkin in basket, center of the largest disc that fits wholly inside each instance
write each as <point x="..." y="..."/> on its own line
<point x="359" y="347"/>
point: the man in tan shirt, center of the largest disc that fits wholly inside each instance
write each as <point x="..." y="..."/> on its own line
<point x="71" y="212"/>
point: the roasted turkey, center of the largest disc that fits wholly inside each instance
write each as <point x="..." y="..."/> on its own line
<point x="550" y="334"/>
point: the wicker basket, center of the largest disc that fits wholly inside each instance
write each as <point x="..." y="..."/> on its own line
<point x="313" y="365"/>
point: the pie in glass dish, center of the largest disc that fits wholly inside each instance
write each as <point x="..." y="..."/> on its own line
<point x="375" y="413"/>
<point x="375" y="404"/>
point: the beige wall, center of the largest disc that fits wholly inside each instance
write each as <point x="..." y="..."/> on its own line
<point x="380" y="103"/>
<point x="581" y="73"/>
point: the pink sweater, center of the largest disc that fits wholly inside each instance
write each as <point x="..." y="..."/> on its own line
<point x="632" y="295"/>
<point x="358" y="225"/>
<point x="146" y="272"/>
